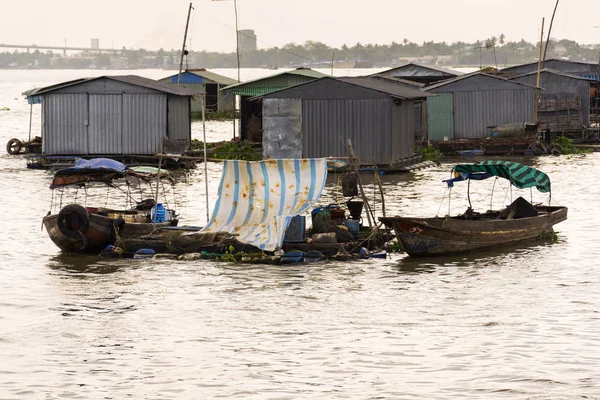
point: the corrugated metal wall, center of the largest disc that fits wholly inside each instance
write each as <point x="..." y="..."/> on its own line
<point x="105" y="131"/>
<point x="282" y="128"/>
<point x="368" y="123"/>
<point x="475" y="111"/>
<point x="440" y="121"/>
<point x="65" y="123"/>
<point x="402" y="134"/>
<point x="144" y="123"/>
<point x="556" y="85"/>
<point x="178" y="118"/>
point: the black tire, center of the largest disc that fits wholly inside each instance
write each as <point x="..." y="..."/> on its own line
<point x="539" y="148"/>
<point x="556" y="149"/>
<point x="14" y="146"/>
<point x="73" y="220"/>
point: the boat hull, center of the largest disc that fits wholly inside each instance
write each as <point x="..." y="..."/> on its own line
<point x="101" y="231"/>
<point x="439" y="236"/>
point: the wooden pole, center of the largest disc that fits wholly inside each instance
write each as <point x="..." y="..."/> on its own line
<point x="30" y="117"/>
<point x="536" y="105"/>
<point x="183" y="47"/>
<point x="360" y="186"/>
<point x="380" y="189"/>
<point x="205" y="161"/>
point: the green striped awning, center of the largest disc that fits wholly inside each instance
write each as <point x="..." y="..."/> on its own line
<point x="519" y="175"/>
<point x="253" y="91"/>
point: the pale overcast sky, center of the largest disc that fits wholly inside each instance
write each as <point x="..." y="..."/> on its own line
<point x="152" y="24"/>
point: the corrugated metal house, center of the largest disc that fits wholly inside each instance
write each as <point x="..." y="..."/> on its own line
<point x="564" y="100"/>
<point x="314" y="119"/>
<point x="424" y="74"/>
<point x="251" y="111"/>
<point x="112" y="115"/>
<point x="583" y="69"/>
<point x="468" y="105"/>
<point x="203" y="81"/>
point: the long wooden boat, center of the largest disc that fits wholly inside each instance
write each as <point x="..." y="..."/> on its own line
<point x="471" y="230"/>
<point x="76" y="228"/>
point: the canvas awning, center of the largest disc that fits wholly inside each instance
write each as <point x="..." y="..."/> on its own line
<point x="519" y="175"/>
<point x="258" y="199"/>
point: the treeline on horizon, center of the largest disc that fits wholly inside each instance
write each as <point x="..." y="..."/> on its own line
<point x="491" y="52"/>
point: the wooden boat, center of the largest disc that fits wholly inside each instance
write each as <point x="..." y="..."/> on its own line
<point x="470" y="231"/>
<point x="76" y="228"/>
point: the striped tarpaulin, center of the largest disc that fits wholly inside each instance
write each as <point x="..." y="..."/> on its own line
<point x="257" y="199"/>
<point x="521" y="176"/>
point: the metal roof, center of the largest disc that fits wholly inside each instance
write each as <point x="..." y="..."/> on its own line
<point x="398" y="80"/>
<point x="437" y="70"/>
<point x="202" y="72"/>
<point x="250" y="88"/>
<point x="396" y="90"/>
<point x="129" y="79"/>
<point x="554" y="72"/>
<point x="468" y="76"/>
<point x="550" y="59"/>
<point x="393" y="89"/>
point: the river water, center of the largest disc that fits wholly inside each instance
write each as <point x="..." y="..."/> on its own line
<point x="517" y="323"/>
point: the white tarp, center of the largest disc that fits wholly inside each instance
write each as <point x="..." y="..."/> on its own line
<point x="257" y="199"/>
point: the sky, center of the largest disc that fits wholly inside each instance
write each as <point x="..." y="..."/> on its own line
<point x="155" y="24"/>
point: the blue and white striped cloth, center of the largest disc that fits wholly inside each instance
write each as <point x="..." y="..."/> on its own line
<point x="257" y="199"/>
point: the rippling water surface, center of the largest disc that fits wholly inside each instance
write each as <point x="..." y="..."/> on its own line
<point x="522" y="322"/>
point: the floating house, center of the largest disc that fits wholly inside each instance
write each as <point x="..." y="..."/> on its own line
<point x="205" y="82"/>
<point x="578" y="68"/>
<point x="251" y="111"/>
<point x="316" y="118"/>
<point x="424" y="74"/>
<point x="564" y="100"/>
<point x="113" y="116"/>
<point x="467" y="106"/>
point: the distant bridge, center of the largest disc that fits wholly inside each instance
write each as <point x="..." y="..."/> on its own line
<point x="63" y="48"/>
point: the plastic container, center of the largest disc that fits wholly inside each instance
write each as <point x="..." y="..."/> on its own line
<point x="159" y="213"/>
<point x="296" y="230"/>
<point x="353" y="226"/>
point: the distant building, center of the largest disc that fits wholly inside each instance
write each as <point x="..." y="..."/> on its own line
<point x="123" y="115"/>
<point x="95" y="44"/>
<point x="203" y="81"/>
<point x="247" y="40"/>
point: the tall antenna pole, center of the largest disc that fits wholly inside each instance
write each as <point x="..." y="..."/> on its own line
<point x="536" y="104"/>
<point x="183" y="50"/>
<point x="237" y="39"/>
<point x="549" y="30"/>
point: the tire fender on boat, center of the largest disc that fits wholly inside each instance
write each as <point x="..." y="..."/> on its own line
<point x="556" y="149"/>
<point x="73" y="220"/>
<point x="14" y="146"/>
<point x="539" y="148"/>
